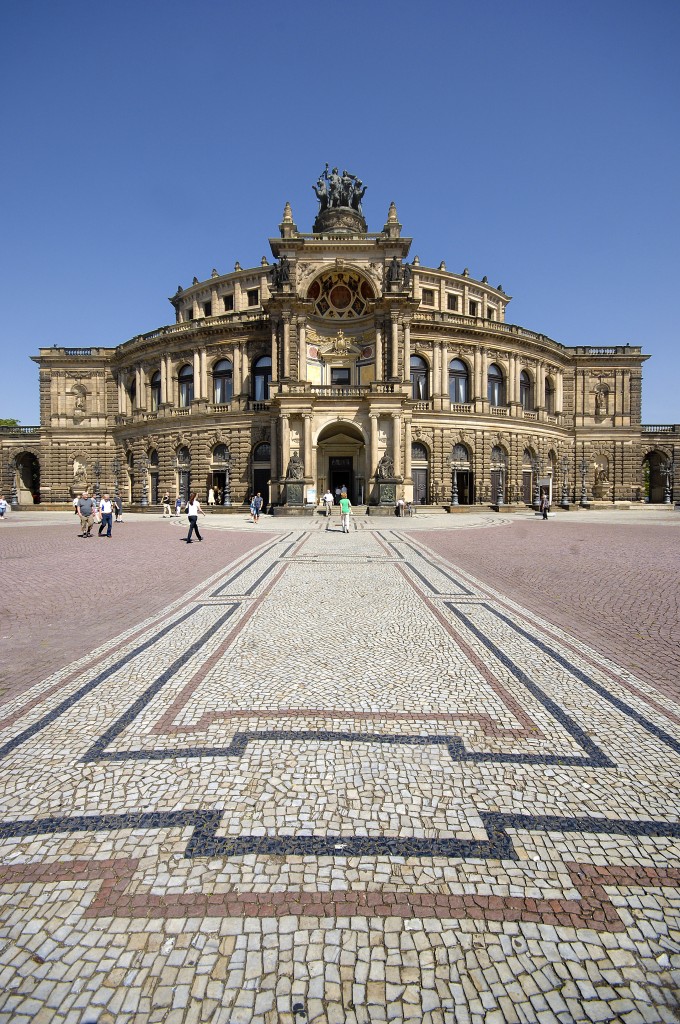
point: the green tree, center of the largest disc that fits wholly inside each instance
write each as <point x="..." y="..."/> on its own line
<point x="9" y="422"/>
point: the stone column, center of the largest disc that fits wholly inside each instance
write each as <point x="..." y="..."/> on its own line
<point x="436" y="369"/>
<point x="197" y="375"/>
<point x="444" y="370"/>
<point x="138" y="389"/>
<point x="275" y="351"/>
<point x="121" y="393"/>
<point x="407" y="448"/>
<point x="379" y="368"/>
<point x="238" y="377"/>
<point x="484" y="369"/>
<point x="477" y="375"/>
<point x="164" y="381"/>
<point x="407" y="349"/>
<point x="285" y="443"/>
<point x="396" y="442"/>
<point x="273" y="462"/>
<point x="302" y="348"/>
<point x="559" y="392"/>
<point x="373" y="446"/>
<point x="513" y="381"/>
<point x="308" y="445"/>
<point x="286" y="346"/>
<point x="395" y="350"/>
<point x="204" y="373"/>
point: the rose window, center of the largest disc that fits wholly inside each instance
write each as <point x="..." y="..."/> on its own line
<point x="340" y="295"/>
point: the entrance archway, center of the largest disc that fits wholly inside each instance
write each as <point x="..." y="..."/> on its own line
<point x="28" y="478"/>
<point x="341" y="461"/>
<point x="653" y="465"/>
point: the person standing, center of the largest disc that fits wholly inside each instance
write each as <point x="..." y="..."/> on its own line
<point x="3" y="506"/>
<point x="106" y="509"/>
<point x="193" y="511"/>
<point x="257" y="507"/>
<point x="211" y="498"/>
<point x="545" y="504"/>
<point x="167" y="512"/>
<point x="328" y="501"/>
<point x="178" y="505"/>
<point x="118" y="508"/>
<point x="86" y="513"/>
<point x="345" y="513"/>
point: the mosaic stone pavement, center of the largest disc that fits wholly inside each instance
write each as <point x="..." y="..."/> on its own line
<point x="340" y="781"/>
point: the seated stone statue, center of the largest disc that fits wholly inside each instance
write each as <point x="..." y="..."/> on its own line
<point x="385" y="470"/>
<point x="296" y="469"/>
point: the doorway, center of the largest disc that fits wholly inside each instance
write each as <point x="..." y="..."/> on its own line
<point x="261" y="483"/>
<point x="340" y="471"/>
<point x="419" y="486"/>
<point x="464" y="485"/>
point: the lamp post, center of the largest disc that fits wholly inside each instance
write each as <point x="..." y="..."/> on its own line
<point x="115" y="468"/>
<point x="226" y="497"/>
<point x="583" y="468"/>
<point x="668" y="471"/>
<point x="144" y="470"/>
<point x="536" y="470"/>
<point x="14" y="497"/>
<point x="454" y="492"/>
<point x="501" y="486"/>
<point x="564" y="467"/>
<point x="97" y="470"/>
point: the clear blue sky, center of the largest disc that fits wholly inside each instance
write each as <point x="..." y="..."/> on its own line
<point x="536" y="142"/>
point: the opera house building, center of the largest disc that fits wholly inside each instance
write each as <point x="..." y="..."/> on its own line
<point x="340" y="361"/>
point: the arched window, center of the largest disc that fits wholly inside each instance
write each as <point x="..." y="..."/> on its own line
<point x="262" y="452"/>
<point x="418" y="452"/>
<point x="153" y="459"/>
<point x="460" y="454"/>
<point x="418" y="379"/>
<point x="526" y="398"/>
<point x="549" y="396"/>
<point x="459" y="381"/>
<point x="183" y="456"/>
<point x="262" y="376"/>
<point x="155" y="391"/>
<point x="220" y="453"/>
<point x="223" y="382"/>
<point x="495" y="385"/>
<point x="186" y="386"/>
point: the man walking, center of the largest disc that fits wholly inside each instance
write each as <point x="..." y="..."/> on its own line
<point x="106" y="509"/>
<point x="86" y="513"/>
<point x="257" y="507"/>
<point x="345" y="512"/>
<point x="166" y="505"/>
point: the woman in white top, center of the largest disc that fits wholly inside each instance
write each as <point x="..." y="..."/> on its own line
<point x="193" y="510"/>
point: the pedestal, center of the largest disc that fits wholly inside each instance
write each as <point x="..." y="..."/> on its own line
<point x="387" y="492"/>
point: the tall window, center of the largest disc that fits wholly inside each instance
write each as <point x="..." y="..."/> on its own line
<point x="340" y="375"/>
<point x="186" y="386"/>
<point x="418" y="452"/>
<point x="526" y="398"/>
<point x="155" y="391"/>
<point x="549" y="396"/>
<point x="458" y="381"/>
<point x="262" y="376"/>
<point x="223" y="382"/>
<point x="495" y="385"/>
<point x="132" y="392"/>
<point x="418" y="379"/>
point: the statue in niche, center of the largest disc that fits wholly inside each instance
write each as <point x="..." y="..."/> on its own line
<point x="281" y="272"/>
<point x="600" y="403"/>
<point x="406" y="280"/>
<point x="79" y="473"/>
<point x="385" y="469"/>
<point x="394" y="271"/>
<point x="296" y="469"/>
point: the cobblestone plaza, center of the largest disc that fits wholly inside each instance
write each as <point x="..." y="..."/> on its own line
<point x="424" y="772"/>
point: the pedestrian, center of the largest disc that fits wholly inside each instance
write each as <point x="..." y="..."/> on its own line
<point x="178" y="505"/>
<point x="400" y="508"/>
<point x="337" y="496"/>
<point x="328" y="501"/>
<point x="167" y="512"/>
<point x="86" y="513"/>
<point x="211" y="498"/>
<point x="545" y="504"/>
<point x="3" y="506"/>
<point x="193" y="511"/>
<point x="106" y="510"/>
<point x="345" y="513"/>
<point x="257" y="505"/>
<point x="118" y="508"/>
<point x="218" y="496"/>
<point x="252" y="508"/>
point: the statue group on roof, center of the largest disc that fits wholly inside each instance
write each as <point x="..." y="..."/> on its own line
<point x="334" y="190"/>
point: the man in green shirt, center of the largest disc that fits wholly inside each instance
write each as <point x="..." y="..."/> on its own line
<point x="345" y="513"/>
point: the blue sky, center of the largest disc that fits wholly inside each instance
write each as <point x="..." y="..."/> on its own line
<point x="148" y="142"/>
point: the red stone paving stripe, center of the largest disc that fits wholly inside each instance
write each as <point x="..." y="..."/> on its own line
<point x="164" y="724"/>
<point x="593" y="909"/>
<point x="129" y="638"/>
<point x="519" y="613"/>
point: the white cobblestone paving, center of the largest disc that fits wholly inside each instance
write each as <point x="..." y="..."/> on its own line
<point x="340" y="781"/>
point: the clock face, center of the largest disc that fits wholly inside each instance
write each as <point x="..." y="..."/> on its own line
<point x="340" y="295"/>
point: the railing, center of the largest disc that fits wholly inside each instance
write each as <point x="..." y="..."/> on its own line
<point x="258" y="406"/>
<point x="19" y="430"/>
<point x="340" y="390"/>
<point x="661" y="428"/>
<point x="499" y="410"/>
<point x="180" y="412"/>
<point x="530" y="415"/>
<point x="422" y="406"/>
<point x="77" y="351"/>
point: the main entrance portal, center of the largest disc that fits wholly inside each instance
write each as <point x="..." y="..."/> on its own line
<point x="340" y="471"/>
